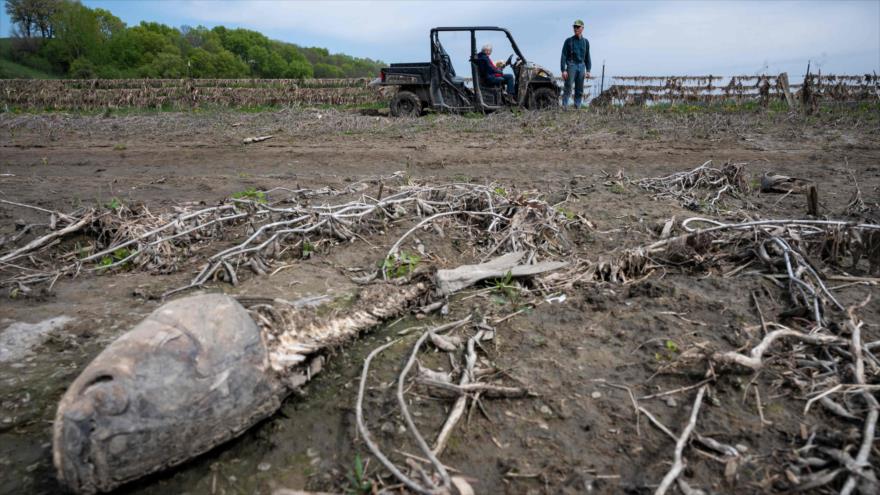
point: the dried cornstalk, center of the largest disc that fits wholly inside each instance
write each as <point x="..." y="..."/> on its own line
<point x="682" y="441"/>
<point x="701" y="188"/>
<point x="135" y="238"/>
<point x="77" y="94"/>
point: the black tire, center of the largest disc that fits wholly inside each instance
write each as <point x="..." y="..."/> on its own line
<point x="543" y="98"/>
<point x="406" y="104"/>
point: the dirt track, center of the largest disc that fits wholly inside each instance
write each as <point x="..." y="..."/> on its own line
<point x="578" y="433"/>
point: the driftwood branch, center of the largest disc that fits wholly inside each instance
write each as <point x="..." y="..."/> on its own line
<point x="42" y="241"/>
<point x="365" y="433"/>
<point x="485" y="389"/>
<point x="449" y="281"/>
<point x="678" y="464"/>
<point x="458" y="408"/>
<point x="410" y="424"/>
<point x="861" y="470"/>
<point x="755" y="358"/>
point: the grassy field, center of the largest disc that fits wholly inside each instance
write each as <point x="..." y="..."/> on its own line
<point x="12" y="70"/>
<point x="9" y="69"/>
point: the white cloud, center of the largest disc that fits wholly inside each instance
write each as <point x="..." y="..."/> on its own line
<point x="352" y="21"/>
<point x="644" y="37"/>
<point x="687" y="36"/>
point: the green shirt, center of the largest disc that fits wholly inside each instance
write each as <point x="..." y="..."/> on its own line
<point x="575" y="51"/>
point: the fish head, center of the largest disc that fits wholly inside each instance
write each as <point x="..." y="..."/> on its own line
<point x="190" y="376"/>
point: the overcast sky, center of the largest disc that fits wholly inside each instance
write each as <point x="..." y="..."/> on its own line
<point x="632" y="37"/>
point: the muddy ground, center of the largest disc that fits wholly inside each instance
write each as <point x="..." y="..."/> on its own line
<point x="579" y="435"/>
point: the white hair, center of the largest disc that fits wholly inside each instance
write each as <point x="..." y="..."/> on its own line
<point x="487" y="47"/>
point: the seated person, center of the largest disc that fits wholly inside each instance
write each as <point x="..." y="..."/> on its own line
<point x="491" y="73"/>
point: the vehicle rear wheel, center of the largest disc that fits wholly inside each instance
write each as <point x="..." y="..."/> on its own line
<point x="406" y="104"/>
<point x="543" y="98"/>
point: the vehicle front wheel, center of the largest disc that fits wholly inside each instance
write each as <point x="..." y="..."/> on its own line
<point x="406" y="104"/>
<point x="543" y="98"/>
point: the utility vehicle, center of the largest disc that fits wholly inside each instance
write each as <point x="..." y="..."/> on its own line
<point x="435" y="85"/>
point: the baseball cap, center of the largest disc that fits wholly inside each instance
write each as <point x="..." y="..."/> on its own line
<point x="579" y="23"/>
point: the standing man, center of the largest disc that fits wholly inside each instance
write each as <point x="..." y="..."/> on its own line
<point x="575" y="64"/>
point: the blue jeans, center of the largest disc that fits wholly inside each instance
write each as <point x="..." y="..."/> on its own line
<point x="505" y="79"/>
<point x="576" y="73"/>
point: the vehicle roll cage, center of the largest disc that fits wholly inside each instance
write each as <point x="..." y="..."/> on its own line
<point x="435" y="39"/>
<point x="446" y="74"/>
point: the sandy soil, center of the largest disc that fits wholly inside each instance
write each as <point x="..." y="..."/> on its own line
<point x="580" y="434"/>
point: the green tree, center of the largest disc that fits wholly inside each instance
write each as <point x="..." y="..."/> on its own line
<point x="167" y="32"/>
<point x="32" y="16"/>
<point x="22" y="16"/>
<point x="223" y="64"/>
<point x="299" y="69"/>
<point x="83" y="68"/>
<point x="45" y="10"/>
<point x="137" y="49"/>
<point x="202" y="63"/>
<point x="229" y="66"/>
<point x="70" y="38"/>
<point x="323" y="70"/>
<point x="200" y="37"/>
<point x="108" y="24"/>
<point x="77" y="35"/>
<point x="165" y="65"/>
<point x="275" y="66"/>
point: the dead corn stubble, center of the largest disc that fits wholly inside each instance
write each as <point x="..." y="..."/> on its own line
<point x="821" y="331"/>
<point x="261" y="233"/>
<point x="814" y="349"/>
<point x="639" y="90"/>
<point x="820" y="340"/>
<point x="714" y="183"/>
<point x="72" y="94"/>
<point x="821" y="345"/>
<point x="819" y="334"/>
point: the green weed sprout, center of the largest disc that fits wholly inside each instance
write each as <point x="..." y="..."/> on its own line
<point x="357" y="482"/>
<point x="252" y="194"/>
<point x="115" y="257"/>
<point x="617" y="188"/>
<point x="114" y="204"/>
<point x="505" y="287"/>
<point x="401" y="265"/>
<point x="307" y="248"/>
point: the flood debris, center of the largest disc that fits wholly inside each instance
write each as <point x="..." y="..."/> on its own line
<point x="202" y="369"/>
<point x="190" y="376"/>
<point x="255" y="139"/>
<point x="812" y="341"/>
<point x="469" y="389"/>
<point x="131" y="237"/>
<point x="680" y="443"/>
<point x="825" y="332"/>
<point x="704" y="187"/>
<point x="775" y="183"/>
<point x="449" y="281"/>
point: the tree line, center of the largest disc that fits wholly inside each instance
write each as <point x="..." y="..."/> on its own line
<point x="66" y="38"/>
